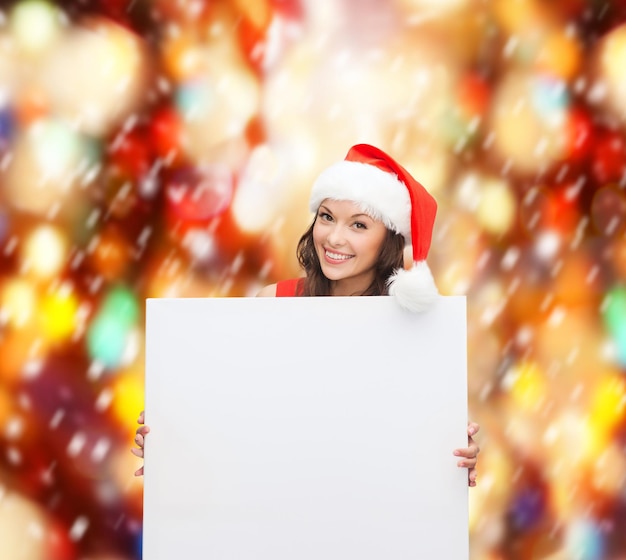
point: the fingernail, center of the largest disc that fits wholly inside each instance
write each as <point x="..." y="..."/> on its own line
<point x="457" y="453"/>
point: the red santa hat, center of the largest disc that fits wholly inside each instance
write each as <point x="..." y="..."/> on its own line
<point x="386" y="191"/>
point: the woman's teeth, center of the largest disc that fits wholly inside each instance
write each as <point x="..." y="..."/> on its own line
<point x="337" y="257"/>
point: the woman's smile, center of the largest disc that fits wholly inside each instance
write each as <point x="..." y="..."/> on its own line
<point x="336" y="258"/>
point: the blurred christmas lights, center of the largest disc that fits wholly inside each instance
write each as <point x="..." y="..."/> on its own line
<point x="155" y="149"/>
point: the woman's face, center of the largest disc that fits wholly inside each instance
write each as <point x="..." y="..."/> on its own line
<point x="347" y="243"/>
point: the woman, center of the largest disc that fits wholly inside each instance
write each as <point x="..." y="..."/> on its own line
<point x="367" y="208"/>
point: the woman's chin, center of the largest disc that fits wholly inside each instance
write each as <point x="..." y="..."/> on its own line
<point x="333" y="273"/>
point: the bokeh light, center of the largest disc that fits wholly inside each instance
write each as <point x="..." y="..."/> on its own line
<point x="529" y="117"/>
<point x="612" y="59"/>
<point x="111" y="330"/>
<point x="95" y="76"/>
<point x="36" y="25"/>
<point x="585" y="540"/>
<point x="18" y="302"/>
<point x="496" y="207"/>
<point x="45" y="251"/>
<point x="615" y="320"/>
<point x="59" y="314"/>
<point x="27" y="532"/>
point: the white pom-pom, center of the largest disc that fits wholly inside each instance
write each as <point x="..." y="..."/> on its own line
<point x="414" y="289"/>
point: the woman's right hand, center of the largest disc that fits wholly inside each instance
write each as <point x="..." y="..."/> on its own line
<point x="140" y="434"/>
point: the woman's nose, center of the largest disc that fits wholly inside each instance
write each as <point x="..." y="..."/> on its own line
<point x="335" y="236"/>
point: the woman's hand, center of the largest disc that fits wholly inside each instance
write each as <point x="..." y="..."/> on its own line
<point x="140" y="434"/>
<point x="469" y="454"/>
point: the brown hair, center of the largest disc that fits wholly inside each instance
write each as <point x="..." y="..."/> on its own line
<point x="389" y="259"/>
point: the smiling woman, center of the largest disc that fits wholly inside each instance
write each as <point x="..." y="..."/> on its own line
<point x="367" y="208"/>
<point x="346" y="252"/>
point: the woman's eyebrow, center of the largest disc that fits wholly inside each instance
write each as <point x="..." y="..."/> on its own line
<point x="360" y="214"/>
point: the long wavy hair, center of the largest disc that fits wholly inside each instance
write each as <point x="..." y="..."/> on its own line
<point x="390" y="258"/>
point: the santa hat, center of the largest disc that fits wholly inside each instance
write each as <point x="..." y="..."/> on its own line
<point x="387" y="192"/>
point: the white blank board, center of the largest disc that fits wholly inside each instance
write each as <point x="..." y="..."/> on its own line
<point x="305" y="429"/>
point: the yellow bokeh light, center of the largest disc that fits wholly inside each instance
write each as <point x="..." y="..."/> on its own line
<point x="35" y="25"/>
<point x="614" y="54"/>
<point x="44" y="252"/>
<point x="608" y="406"/>
<point x="59" y="314"/>
<point x="182" y="57"/>
<point x="18" y="301"/>
<point x="517" y="15"/>
<point x="612" y="63"/>
<point x="568" y="436"/>
<point x="496" y="207"/>
<point x="528" y="386"/>
<point x="128" y="396"/>
<point x="560" y="55"/>
<point x="569" y="453"/>
<point x="22" y="520"/>
<point x="257" y="11"/>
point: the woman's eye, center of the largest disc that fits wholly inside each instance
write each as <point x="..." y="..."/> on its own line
<point x="360" y="225"/>
<point x="325" y="216"/>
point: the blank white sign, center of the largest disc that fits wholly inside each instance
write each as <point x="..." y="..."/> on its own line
<point x="305" y="429"/>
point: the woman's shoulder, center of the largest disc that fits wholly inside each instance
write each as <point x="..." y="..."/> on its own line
<point x="268" y="291"/>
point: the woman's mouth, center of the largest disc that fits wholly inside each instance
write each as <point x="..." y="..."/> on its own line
<point x="336" y="257"/>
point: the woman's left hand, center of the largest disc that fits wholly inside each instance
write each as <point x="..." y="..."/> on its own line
<point x="140" y="435"/>
<point x="469" y="454"/>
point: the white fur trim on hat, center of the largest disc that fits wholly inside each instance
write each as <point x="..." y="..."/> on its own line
<point x="414" y="289"/>
<point x="378" y="193"/>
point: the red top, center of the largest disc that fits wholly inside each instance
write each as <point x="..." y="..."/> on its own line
<point x="290" y="288"/>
